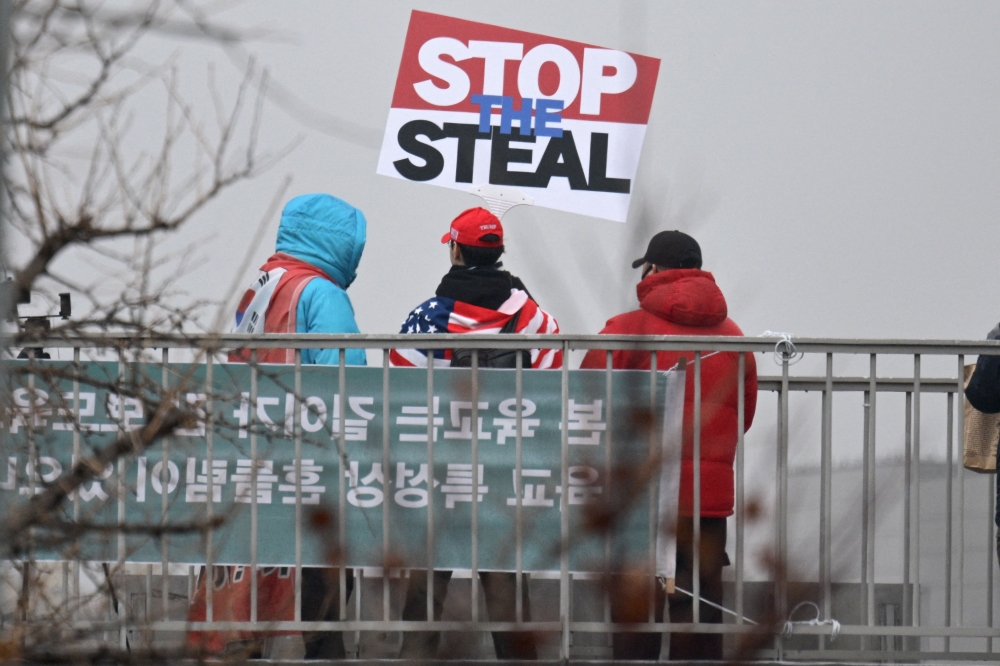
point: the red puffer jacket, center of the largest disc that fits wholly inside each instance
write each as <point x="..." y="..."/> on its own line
<point x="688" y="302"/>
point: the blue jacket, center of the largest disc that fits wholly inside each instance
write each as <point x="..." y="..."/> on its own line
<point x="328" y="233"/>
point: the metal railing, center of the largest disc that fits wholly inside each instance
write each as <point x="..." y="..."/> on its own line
<point x="931" y="620"/>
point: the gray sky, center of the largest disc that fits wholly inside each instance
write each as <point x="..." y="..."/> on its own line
<point x="837" y="161"/>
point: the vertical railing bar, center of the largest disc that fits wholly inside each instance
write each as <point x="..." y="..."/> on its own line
<point x="28" y="563"/>
<point x="949" y="546"/>
<point x="210" y="490"/>
<point x="430" y="485"/>
<point x="826" y="472"/>
<point x="164" y="495"/>
<point x="297" y="436"/>
<point x="359" y="579"/>
<point x="990" y="540"/>
<point x="564" y="508"/>
<point x="122" y="471"/>
<point x="907" y="488"/>
<point x="783" y="500"/>
<point x="653" y="488"/>
<point x="740" y="470"/>
<point x="916" y="489"/>
<point x="865" y="480"/>
<point x="341" y="487"/>
<point x="387" y="487"/>
<point x="518" y="488"/>
<point x="608" y="390"/>
<point x="254" y="510"/>
<point x="122" y="466"/>
<point x="870" y="489"/>
<point x="696" y="486"/>
<point x="474" y="587"/>
<point x="76" y="459"/>
<point x="960" y="491"/>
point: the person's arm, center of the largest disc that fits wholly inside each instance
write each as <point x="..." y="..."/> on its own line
<point x="325" y="308"/>
<point x="749" y="390"/>
<point x="983" y="390"/>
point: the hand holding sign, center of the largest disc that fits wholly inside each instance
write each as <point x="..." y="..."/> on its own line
<point x="580" y="114"/>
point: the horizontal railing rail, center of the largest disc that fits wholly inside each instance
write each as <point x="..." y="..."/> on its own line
<point x="473" y="341"/>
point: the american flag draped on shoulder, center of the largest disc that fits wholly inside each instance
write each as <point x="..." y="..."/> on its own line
<point x="446" y="315"/>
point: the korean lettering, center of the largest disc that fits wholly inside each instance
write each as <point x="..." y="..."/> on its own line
<point x="196" y="489"/>
<point x="155" y="478"/>
<point x="458" y="484"/>
<point x="581" y="485"/>
<point x="25" y="411"/>
<point x="417" y="416"/>
<point x="408" y="482"/>
<point x="365" y="495"/>
<point x="586" y="417"/>
<point x="534" y="493"/>
<point x="356" y="430"/>
<point x="464" y="423"/>
<point x="313" y="406"/>
<point x="39" y="477"/>
<point x="310" y="480"/>
<point x="508" y="425"/>
<point x="11" y="481"/>
<point x="243" y="478"/>
<point x="96" y="488"/>
<point x="88" y="403"/>
<point x="123" y="411"/>
<point x="195" y="403"/>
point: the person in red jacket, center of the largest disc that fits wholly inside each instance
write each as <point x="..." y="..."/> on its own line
<point x="676" y="297"/>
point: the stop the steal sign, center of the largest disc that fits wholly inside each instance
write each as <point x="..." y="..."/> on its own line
<point x="560" y="121"/>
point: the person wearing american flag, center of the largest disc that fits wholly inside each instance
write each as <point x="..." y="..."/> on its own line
<point x="476" y="296"/>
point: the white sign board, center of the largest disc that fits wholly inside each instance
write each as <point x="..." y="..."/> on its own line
<point x="560" y="121"/>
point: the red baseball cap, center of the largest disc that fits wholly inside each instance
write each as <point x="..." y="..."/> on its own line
<point x="472" y="225"/>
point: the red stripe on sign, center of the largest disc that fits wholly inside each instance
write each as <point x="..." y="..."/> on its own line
<point x="447" y="60"/>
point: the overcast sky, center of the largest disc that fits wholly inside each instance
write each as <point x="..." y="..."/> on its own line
<point x="837" y="161"/>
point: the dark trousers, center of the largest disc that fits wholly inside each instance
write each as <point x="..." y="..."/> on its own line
<point x="321" y="603"/>
<point x="500" y="593"/>
<point x="630" y="599"/>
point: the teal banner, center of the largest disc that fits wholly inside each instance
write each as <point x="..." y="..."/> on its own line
<point x="613" y="461"/>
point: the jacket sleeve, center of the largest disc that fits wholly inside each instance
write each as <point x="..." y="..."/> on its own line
<point x="983" y="390"/>
<point x="749" y="390"/>
<point x="325" y="308"/>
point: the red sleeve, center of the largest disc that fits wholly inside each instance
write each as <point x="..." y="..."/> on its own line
<point x="750" y="390"/>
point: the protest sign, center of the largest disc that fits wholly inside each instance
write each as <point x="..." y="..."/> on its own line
<point x="611" y="464"/>
<point x="561" y="121"/>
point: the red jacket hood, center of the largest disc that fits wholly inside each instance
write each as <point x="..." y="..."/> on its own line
<point x="686" y="296"/>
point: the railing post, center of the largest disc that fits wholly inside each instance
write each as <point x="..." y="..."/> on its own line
<point x="949" y="513"/>
<point x="740" y="481"/>
<point x="916" y="489"/>
<point x="696" y="490"/>
<point x="564" y="580"/>
<point x="826" y="465"/>
<point x="960" y="491"/>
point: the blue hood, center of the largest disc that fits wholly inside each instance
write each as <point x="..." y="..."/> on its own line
<point x="325" y="231"/>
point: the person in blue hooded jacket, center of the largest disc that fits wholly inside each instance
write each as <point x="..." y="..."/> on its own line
<point x="302" y="288"/>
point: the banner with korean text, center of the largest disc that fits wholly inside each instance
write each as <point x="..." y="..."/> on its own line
<point x="612" y="463"/>
<point x="561" y="121"/>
